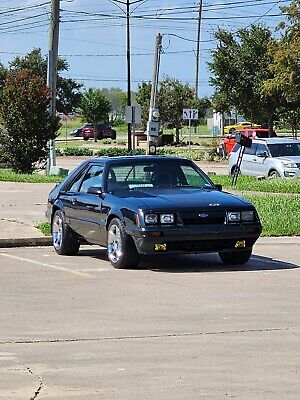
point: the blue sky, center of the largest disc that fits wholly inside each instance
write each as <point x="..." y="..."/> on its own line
<point x="93" y="35"/>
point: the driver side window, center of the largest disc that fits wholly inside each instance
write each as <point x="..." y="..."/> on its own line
<point x="93" y="178"/>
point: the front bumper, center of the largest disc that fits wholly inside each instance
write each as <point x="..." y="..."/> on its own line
<point x="196" y="239"/>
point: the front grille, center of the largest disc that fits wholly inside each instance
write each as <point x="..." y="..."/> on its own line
<point x="298" y="165"/>
<point x="203" y="218"/>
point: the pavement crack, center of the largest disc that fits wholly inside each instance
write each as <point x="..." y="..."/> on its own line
<point x="38" y="390"/>
<point x="136" y="337"/>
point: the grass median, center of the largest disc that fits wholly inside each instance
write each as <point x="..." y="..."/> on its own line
<point x="248" y="183"/>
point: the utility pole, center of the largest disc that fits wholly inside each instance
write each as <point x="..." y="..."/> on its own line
<point x="128" y="68"/>
<point x="52" y="71"/>
<point x="153" y="124"/>
<point x="198" y="48"/>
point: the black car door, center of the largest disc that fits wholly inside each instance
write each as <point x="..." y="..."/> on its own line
<point x="88" y="217"/>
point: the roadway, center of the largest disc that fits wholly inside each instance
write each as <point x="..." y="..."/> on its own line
<point x="182" y="327"/>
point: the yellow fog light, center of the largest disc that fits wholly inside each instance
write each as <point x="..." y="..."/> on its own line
<point x="240" y="244"/>
<point x="160" y="247"/>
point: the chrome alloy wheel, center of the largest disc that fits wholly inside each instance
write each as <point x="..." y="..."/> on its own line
<point x="57" y="231"/>
<point x="114" y="244"/>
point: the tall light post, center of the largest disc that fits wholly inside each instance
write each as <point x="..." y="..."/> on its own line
<point x="52" y="72"/>
<point x="198" y="48"/>
<point x="127" y="3"/>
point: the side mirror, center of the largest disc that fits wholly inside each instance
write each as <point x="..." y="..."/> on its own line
<point x="95" y="190"/>
<point x="218" y="187"/>
<point x="262" y="154"/>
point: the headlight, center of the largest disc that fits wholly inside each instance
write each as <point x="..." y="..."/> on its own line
<point x="247" y="215"/>
<point x="167" y="218"/>
<point x="151" y="219"/>
<point x="234" y="216"/>
<point x="290" y="165"/>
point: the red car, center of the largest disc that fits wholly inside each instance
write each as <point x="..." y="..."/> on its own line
<point x="226" y="145"/>
<point x="98" y="131"/>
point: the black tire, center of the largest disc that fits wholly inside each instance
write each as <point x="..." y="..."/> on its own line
<point x="65" y="242"/>
<point x="121" y="250"/>
<point x="235" y="257"/>
<point x="274" y="174"/>
<point x="86" y="139"/>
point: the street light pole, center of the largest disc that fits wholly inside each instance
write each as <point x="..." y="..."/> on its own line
<point x="128" y="68"/>
<point x="198" y="48"/>
<point x="52" y="72"/>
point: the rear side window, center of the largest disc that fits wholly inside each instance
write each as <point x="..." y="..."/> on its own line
<point x="236" y="148"/>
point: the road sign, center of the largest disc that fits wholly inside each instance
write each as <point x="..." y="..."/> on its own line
<point x="189" y="113"/>
<point x="133" y="114"/>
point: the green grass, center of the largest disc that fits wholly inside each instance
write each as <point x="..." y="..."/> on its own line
<point x="10" y="176"/>
<point x="45" y="228"/>
<point x="280" y="215"/>
<point x="248" y="183"/>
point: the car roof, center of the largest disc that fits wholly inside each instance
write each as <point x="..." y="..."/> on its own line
<point x="275" y="140"/>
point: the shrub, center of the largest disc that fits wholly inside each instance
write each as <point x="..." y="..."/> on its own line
<point x="28" y="125"/>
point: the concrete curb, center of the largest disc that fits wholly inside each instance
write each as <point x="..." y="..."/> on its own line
<point x="26" y="242"/>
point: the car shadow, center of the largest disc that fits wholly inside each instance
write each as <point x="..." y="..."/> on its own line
<point x="194" y="263"/>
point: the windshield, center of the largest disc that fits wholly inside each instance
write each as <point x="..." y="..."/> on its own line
<point x="154" y="174"/>
<point x="284" y="149"/>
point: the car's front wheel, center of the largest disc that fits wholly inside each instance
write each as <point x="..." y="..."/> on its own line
<point x="121" y="250"/>
<point x="235" y="257"/>
<point x="274" y="174"/>
<point x="65" y="241"/>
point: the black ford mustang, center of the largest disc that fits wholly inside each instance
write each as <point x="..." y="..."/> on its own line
<point x="147" y="205"/>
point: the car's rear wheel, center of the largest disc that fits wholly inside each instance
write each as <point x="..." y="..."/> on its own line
<point x="65" y="242"/>
<point x="235" y="257"/>
<point x="121" y="250"/>
<point x="86" y="138"/>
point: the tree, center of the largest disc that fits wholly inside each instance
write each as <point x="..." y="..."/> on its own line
<point x="68" y="90"/>
<point x="143" y="98"/>
<point x="118" y="100"/>
<point x="173" y="97"/>
<point x="285" y="64"/>
<point x="94" y="107"/>
<point x="240" y="66"/>
<point x="24" y="103"/>
<point x="3" y="73"/>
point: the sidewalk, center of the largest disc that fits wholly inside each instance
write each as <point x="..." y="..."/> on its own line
<point x="22" y="207"/>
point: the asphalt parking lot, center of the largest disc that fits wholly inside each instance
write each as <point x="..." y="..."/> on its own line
<point x="182" y="327"/>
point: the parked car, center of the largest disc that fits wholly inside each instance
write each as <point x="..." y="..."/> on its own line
<point x="271" y="157"/>
<point x="227" y="144"/>
<point x="240" y="125"/>
<point x="149" y="205"/>
<point x="98" y="131"/>
<point x="77" y="132"/>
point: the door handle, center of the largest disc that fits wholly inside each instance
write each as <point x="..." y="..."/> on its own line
<point x="74" y="201"/>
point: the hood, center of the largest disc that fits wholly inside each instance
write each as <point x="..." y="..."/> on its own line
<point x="181" y="198"/>
<point x="286" y="159"/>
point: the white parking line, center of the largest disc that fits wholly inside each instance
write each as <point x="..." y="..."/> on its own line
<point x="41" y="264"/>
